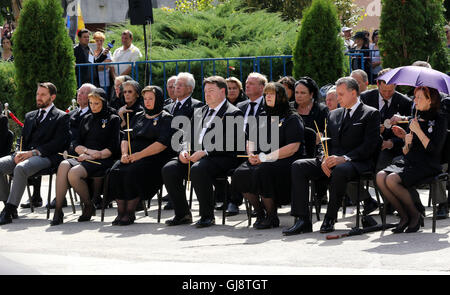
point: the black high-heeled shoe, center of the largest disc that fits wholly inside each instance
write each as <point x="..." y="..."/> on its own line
<point x="413" y="229"/>
<point x="117" y="220"/>
<point x="57" y="219"/>
<point x="399" y="229"/>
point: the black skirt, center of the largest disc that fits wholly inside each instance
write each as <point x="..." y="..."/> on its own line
<point x="409" y="173"/>
<point x="140" y="179"/>
<point x="269" y="180"/>
<point x="94" y="170"/>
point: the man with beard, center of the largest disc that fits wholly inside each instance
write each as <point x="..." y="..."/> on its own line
<point x="45" y="134"/>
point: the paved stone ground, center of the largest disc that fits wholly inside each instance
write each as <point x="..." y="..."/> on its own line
<point x="30" y="246"/>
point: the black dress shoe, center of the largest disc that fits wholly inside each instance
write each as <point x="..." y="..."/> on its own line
<point x="370" y="205"/>
<point x="205" y="222"/>
<point x="5" y="217"/>
<point x="58" y="218"/>
<point x="271" y="221"/>
<point x="327" y="225"/>
<point x="187" y="219"/>
<point x="300" y="227"/>
<point x="166" y="198"/>
<point x="442" y="211"/>
<point x="53" y="204"/>
<point x="36" y="203"/>
<point x="232" y="210"/>
<point x="88" y="211"/>
<point x="14" y="214"/>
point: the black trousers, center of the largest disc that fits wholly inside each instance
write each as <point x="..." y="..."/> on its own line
<point x="310" y="169"/>
<point x="203" y="174"/>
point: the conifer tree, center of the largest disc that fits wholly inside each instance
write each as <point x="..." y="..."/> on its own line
<point x="43" y="52"/>
<point x="319" y="51"/>
<point x="412" y="30"/>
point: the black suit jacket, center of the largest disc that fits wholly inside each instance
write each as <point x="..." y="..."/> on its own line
<point x="5" y="147"/>
<point x="84" y="73"/>
<point x="359" y="140"/>
<point x="221" y="157"/>
<point x="53" y="135"/>
<point x="400" y="104"/>
<point x="187" y="109"/>
<point x="244" y="105"/>
<point x="74" y="125"/>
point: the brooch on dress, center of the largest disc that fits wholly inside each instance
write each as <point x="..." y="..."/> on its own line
<point x="430" y="126"/>
<point x="104" y="121"/>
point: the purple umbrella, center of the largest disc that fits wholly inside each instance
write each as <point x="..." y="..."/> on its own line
<point x="417" y="76"/>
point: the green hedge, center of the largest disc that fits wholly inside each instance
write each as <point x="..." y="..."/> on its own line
<point x="223" y="31"/>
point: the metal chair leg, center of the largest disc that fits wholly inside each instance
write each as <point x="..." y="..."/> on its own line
<point x="225" y="202"/>
<point x="49" y="195"/>
<point x="30" y="198"/>
<point x="358" y="203"/>
<point x="433" y="199"/>
<point x="159" y="195"/>
<point x="248" y="211"/>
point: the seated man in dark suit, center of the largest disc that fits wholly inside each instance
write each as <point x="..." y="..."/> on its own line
<point x="209" y="157"/>
<point x="75" y="117"/>
<point x="45" y="133"/>
<point x="389" y="102"/>
<point x="183" y="105"/>
<point x="354" y="130"/>
<point x="252" y="107"/>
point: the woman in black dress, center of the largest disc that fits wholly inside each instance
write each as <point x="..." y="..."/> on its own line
<point x="307" y="105"/>
<point x="98" y="140"/>
<point x="268" y="174"/>
<point x="421" y="158"/>
<point x="138" y="174"/>
<point x="133" y="102"/>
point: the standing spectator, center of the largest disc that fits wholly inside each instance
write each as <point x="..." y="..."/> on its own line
<point x="126" y="53"/>
<point x="375" y="56"/>
<point x="347" y="33"/>
<point x="7" y="30"/>
<point x="102" y="55"/>
<point x="117" y="99"/>
<point x="83" y="55"/>
<point x="7" y="54"/>
<point x="361" y="46"/>
<point x="361" y="77"/>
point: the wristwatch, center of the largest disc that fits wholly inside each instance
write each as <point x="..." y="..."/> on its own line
<point x="34" y="153"/>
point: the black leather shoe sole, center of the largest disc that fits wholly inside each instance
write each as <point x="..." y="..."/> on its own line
<point x="326" y="230"/>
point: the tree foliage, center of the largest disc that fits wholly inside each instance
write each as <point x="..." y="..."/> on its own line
<point x="318" y="51"/>
<point x="413" y="30"/>
<point x="349" y="13"/>
<point x="43" y="52"/>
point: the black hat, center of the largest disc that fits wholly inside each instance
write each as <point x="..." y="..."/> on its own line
<point x="359" y="35"/>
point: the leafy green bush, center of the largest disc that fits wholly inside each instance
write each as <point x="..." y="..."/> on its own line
<point x="222" y="31"/>
<point x="318" y="52"/>
<point x="43" y="52"/>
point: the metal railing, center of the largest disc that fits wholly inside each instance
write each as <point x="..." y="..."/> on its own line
<point x="361" y="55"/>
<point x="156" y="72"/>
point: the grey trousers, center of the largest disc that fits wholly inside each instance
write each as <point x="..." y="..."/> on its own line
<point x="21" y="172"/>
